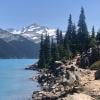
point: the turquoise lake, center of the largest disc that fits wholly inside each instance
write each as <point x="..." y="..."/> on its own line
<point x="15" y="83"/>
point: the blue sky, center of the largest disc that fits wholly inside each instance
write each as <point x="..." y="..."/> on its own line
<point x="51" y="13"/>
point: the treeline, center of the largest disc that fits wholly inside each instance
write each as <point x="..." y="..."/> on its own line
<point x="63" y="47"/>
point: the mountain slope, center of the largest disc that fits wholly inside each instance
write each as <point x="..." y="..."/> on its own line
<point x="16" y="46"/>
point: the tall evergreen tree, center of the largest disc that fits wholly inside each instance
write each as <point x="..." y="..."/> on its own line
<point x="73" y="41"/>
<point x="82" y="32"/>
<point x="67" y="37"/>
<point x="47" y="50"/>
<point x="92" y="40"/>
<point x="73" y="35"/>
<point x="54" y="51"/>
<point x="41" y="62"/>
<point x="93" y="32"/>
<point x="69" y="29"/>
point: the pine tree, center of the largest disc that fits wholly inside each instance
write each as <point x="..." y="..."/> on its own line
<point x="67" y="37"/>
<point x="54" y="51"/>
<point x="73" y="35"/>
<point x="67" y="40"/>
<point x="47" y="51"/>
<point x="82" y="32"/>
<point x="41" y="62"/>
<point x="70" y="37"/>
<point x="60" y="44"/>
<point x="69" y="29"/>
<point x="93" y="32"/>
<point x="73" y="41"/>
<point x="92" y="41"/>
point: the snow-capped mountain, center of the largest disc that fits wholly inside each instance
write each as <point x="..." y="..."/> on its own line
<point x="33" y="32"/>
<point x="24" y="42"/>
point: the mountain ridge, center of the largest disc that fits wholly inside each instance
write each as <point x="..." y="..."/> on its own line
<point x="33" y="32"/>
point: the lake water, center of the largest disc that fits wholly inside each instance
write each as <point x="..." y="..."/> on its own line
<point x="14" y="80"/>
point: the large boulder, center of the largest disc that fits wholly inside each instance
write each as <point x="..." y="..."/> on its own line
<point x="97" y="75"/>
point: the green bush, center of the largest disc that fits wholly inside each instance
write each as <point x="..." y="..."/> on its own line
<point x="95" y="66"/>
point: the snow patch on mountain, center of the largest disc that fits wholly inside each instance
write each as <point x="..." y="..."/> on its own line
<point x="33" y="32"/>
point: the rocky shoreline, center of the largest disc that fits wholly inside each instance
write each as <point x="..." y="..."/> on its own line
<point x="67" y="82"/>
